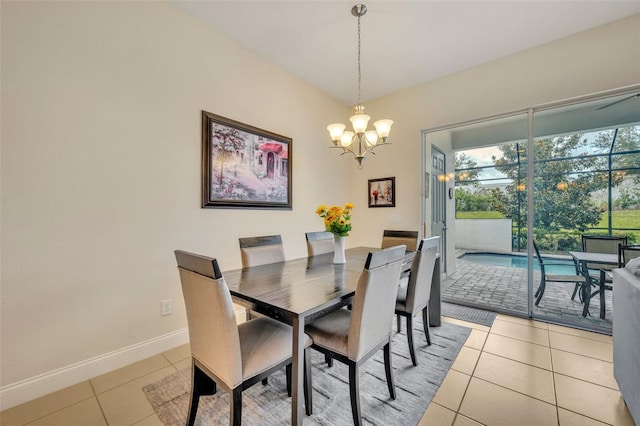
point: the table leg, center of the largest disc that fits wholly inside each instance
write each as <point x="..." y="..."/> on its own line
<point x="603" y="309"/>
<point x="434" y="298"/>
<point x="297" y="396"/>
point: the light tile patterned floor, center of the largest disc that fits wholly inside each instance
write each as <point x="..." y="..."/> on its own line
<point x="518" y="372"/>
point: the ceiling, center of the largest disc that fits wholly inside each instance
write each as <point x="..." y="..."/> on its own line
<point x="404" y="43"/>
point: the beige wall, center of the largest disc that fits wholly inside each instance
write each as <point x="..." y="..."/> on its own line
<point x="600" y="59"/>
<point x="101" y="124"/>
<point x="101" y="162"/>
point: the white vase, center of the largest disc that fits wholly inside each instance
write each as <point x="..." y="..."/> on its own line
<point x="338" y="254"/>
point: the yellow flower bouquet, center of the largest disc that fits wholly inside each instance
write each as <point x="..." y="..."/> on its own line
<point x="337" y="220"/>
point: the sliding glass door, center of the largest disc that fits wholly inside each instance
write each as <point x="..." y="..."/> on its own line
<point x="546" y="175"/>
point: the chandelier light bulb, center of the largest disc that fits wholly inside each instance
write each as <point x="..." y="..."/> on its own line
<point x="383" y="127"/>
<point x="336" y="130"/>
<point x="347" y="139"/>
<point x="359" y="122"/>
<point x="372" y="138"/>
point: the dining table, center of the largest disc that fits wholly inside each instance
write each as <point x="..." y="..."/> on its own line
<point x="584" y="260"/>
<point x="298" y="291"/>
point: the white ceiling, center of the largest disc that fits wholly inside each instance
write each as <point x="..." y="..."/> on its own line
<point x="404" y="43"/>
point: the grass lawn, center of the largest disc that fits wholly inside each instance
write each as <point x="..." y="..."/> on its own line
<point x="479" y="215"/>
<point x="622" y="219"/>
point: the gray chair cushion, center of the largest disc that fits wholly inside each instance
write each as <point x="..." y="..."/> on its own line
<point x="331" y="331"/>
<point x="264" y="342"/>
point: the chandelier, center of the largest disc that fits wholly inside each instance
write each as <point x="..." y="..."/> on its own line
<point x="360" y="141"/>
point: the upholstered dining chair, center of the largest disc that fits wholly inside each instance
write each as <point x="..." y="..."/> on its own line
<point x="600" y="244"/>
<point x="545" y="277"/>
<point x="414" y="291"/>
<point x="319" y="243"/>
<point x="393" y="238"/>
<point x="353" y="336"/>
<point x="224" y="353"/>
<point x="256" y="251"/>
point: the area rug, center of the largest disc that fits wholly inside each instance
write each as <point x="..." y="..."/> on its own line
<point x="269" y="405"/>
<point x="466" y="313"/>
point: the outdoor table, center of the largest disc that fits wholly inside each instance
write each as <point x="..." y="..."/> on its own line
<point x="583" y="258"/>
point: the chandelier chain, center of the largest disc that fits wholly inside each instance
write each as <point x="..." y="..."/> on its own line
<point x="359" y="72"/>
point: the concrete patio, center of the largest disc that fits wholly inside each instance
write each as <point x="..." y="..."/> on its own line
<point x="504" y="289"/>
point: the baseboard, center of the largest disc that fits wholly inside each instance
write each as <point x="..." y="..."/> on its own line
<point x="52" y="381"/>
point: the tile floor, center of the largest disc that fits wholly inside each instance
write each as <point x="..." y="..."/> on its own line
<point x="518" y="372"/>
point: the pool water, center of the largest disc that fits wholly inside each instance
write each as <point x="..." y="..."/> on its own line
<point x="513" y="261"/>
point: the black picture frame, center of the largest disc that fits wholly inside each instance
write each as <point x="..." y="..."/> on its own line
<point x="244" y="167"/>
<point x="382" y="192"/>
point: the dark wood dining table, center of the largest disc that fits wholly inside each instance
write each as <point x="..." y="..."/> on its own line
<point x="300" y="290"/>
<point x="584" y="260"/>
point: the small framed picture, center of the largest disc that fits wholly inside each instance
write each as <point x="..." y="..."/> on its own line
<point x="382" y="192"/>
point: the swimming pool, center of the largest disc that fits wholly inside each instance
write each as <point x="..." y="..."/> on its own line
<point x="514" y="261"/>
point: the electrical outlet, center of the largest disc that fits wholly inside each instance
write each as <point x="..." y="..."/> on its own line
<point x="166" y="307"/>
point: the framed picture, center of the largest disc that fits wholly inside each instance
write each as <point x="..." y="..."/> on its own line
<point x="243" y="166"/>
<point x="382" y="192"/>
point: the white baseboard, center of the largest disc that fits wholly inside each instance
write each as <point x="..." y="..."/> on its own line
<point x="43" y="384"/>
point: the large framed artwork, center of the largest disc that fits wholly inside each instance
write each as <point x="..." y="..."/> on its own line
<point x="243" y="166"/>
<point x="382" y="192"/>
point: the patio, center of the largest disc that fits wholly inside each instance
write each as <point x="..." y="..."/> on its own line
<point x="505" y="289"/>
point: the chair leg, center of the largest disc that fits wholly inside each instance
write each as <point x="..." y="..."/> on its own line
<point x="425" y="322"/>
<point x="354" y="392"/>
<point x="575" y="291"/>
<point x="328" y="360"/>
<point x="399" y="322"/>
<point x="389" y="369"/>
<point x="265" y="381"/>
<point x="540" y="292"/>
<point x="287" y="371"/>
<point x="201" y="384"/>
<point x="308" y="389"/>
<point x="235" y="402"/>
<point x="412" y="352"/>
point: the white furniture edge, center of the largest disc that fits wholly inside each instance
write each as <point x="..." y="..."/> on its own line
<point x="43" y="384"/>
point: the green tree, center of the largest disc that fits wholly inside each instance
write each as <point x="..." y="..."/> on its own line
<point x="562" y="185"/>
<point x="226" y="141"/>
<point x="464" y="167"/>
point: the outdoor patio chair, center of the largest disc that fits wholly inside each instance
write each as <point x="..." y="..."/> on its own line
<point x="626" y="253"/>
<point x="578" y="280"/>
<point x="600" y="244"/>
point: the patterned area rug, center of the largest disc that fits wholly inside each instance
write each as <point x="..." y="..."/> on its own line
<point x="269" y="405"/>
<point x="465" y="313"/>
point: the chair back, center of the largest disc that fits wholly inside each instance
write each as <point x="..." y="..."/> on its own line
<point x="374" y="301"/>
<point x="213" y="331"/>
<point x="257" y="251"/>
<point x="393" y="238"/>
<point x="626" y="253"/>
<point x="319" y="243"/>
<point x="602" y="244"/>
<point x="424" y="262"/>
<point x="540" y="261"/>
